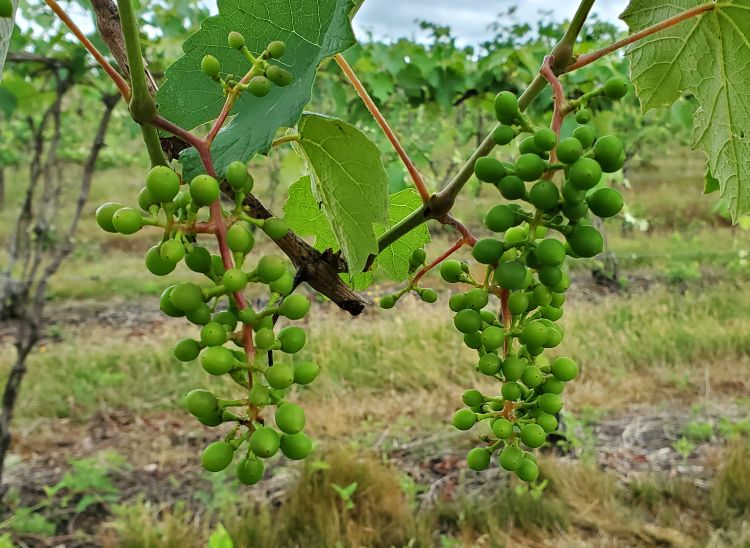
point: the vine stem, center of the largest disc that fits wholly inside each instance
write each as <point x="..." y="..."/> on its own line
<point x="455" y="247"/>
<point x="228" y="104"/>
<point x="588" y="58"/>
<point x="559" y="94"/>
<point x="383" y="123"/>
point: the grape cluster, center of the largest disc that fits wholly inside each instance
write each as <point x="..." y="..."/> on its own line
<point x="525" y="270"/>
<point x="232" y="338"/>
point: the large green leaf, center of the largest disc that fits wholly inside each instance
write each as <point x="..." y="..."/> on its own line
<point x="312" y="30"/>
<point x="350" y="183"/>
<point x="708" y="56"/>
<point x="6" y="30"/>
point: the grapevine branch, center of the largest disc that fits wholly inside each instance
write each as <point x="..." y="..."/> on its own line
<point x="558" y="115"/>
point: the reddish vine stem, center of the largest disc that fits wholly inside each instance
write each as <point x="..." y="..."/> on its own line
<point x="506" y="317"/>
<point x="383" y="123"/>
<point x="462" y="229"/>
<point x="559" y="94"/>
<point x="226" y="109"/>
<point x="455" y="247"/>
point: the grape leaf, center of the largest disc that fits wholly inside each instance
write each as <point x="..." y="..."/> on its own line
<point x="349" y="181"/>
<point x="6" y="30"/>
<point x="312" y="30"/>
<point x="708" y="56"/>
<point x="305" y="216"/>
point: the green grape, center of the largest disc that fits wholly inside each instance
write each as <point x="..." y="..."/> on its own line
<point x="528" y="146"/>
<point x="575" y="212"/>
<point x="280" y="375"/>
<point x="214" y="419"/>
<point x="145" y="199"/>
<point x="511" y="458"/>
<point x="502" y="428"/>
<point x="544" y="195"/>
<point x="295" y="307"/>
<point x="265" y="338"/>
<point x="586" y="135"/>
<point x="478" y="459"/>
<point x="260" y="86"/>
<point x="510" y="275"/>
<point x="464" y="419"/>
<point x="489" y="170"/>
<point x="549" y="403"/>
<point x="186" y="297"/>
<point x="569" y="150"/>
<point x="493" y="337"/>
<point x="518" y="302"/>
<point x="305" y="372"/>
<point x="533" y="435"/>
<point x="506" y="107"/>
<point x="488" y="316"/>
<point x="210" y="66"/>
<point x="240" y="239"/>
<point x="270" y="268"/>
<point x="217" y="265"/>
<point x="528" y="470"/>
<point x="551" y="313"/>
<point x="615" y="88"/>
<point x="500" y="218"/>
<point x="545" y="139"/>
<point x="276" y="49"/>
<point x="237" y="176"/>
<point x="290" y="418"/>
<point x="457" y="302"/>
<point x="572" y="195"/>
<point x="473" y="340"/>
<point x="200" y="315"/>
<point x="513" y="368"/>
<point x="451" y="271"/>
<point x="516" y="234"/>
<point x="264" y="442"/>
<point x="235" y="40"/>
<point x="204" y="190"/>
<point x="166" y="306"/>
<point x="428" y="295"/>
<point x="532" y="376"/>
<point x="608" y="151"/>
<point x="550" y="276"/>
<point x="201" y="403"/>
<point x="534" y="334"/>
<point x="512" y="188"/>
<point x="605" y="202"/>
<point x="558" y="299"/>
<point x="217" y="456"/>
<point x="127" y="220"/>
<point x="234" y="280"/>
<point x="172" y="251"/>
<point x="292" y="339"/>
<point x="502" y="135"/>
<point x="489" y="364"/>
<point x="156" y="264"/>
<point x="387" y="302"/>
<point x="563" y="286"/>
<point x="213" y="334"/>
<point x="183" y="199"/>
<point x="198" y="259"/>
<point x="104" y="214"/>
<point x="279" y="76"/>
<point x="583" y="116"/>
<point x="541" y="296"/>
<point x="259" y="395"/>
<point x="487" y="251"/>
<point x="585" y="174"/>
<point x="296" y="446"/>
<point x="418" y="258"/>
<point x="467" y="321"/>
<point x="218" y="360"/>
<point x="275" y="228"/>
<point x="511" y="391"/>
<point x="227" y="318"/>
<point x="6" y="8"/>
<point x="284" y="285"/>
<point x="564" y="369"/>
<point x="163" y="183"/>
<point x="553" y="386"/>
<point x="473" y="398"/>
<point x="250" y="471"/>
<point x="529" y="167"/>
<point x="585" y="241"/>
<point x="550" y="253"/>
<point x="547" y="422"/>
<point x="186" y="350"/>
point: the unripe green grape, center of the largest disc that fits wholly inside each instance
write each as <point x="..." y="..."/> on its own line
<point x="518" y="302"/>
<point x="213" y="334"/>
<point x="547" y="422"/>
<point x="204" y="190"/>
<point x="532" y="376"/>
<point x="226" y="318"/>
<point x="541" y="296"/>
<point x="279" y="76"/>
<point x="260" y="86"/>
<point x="528" y="146"/>
<point x="551" y="313"/>
<point x="198" y="259"/>
<point x="535" y="350"/>
<point x="558" y="299"/>
<point x="295" y="307"/>
<point x="608" y="151"/>
<point x="502" y="135"/>
<point x="305" y="372"/>
<point x="290" y="418"/>
<point x="451" y="271"/>
<point x="217" y="265"/>
<point x="473" y="340"/>
<point x="214" y="419"/>
<point x="237" y="176"/>
<point x="183" y="199"/>
<point x="457" y="302"/>
<point x="534" y="334"/>
<point x="615" y="88"/>
<point x="211" y="66"/>
<point x="487" y="251"/>
<point x="127" y="220"/>
<point x="201" y="403"/>
<point x="493" y="338"/>
<point x="234" y="280"/>
<point x="516" y="234"/>
<point x="563" y="286"/>
<point x="586" y="135"/>
<point x="544" y="195"/>
<point x="585" y="174"/>
<point x="292" y="339"/>
<point x="512" y="188"/>
<point x="528" y="470"/>
<point x="500" y="218"/>
<point x="6" y="8"/>
<point x="235" y="40"/>
<point x="550" y="403"/>
<point x="571" y="194"/>
<point x="166" y="306"/>
<point x="464" y="419"/>
<point x="569" y="150"/>
<point x="511" y="391"/>
<point x="387" y="302"/>
<point x="247" y="316"/>
<point x="529" y="167"/>
<point x="217" y="360"/>
<point x="605" y="202"/>
<point x="428" y="295"/>
<point x="156" y="264"/>
<point x="489" y="364"/>
<point x="186" y="350"/>
<point x="585" y="241"/>
<point x="104" y="214"/>
<point x="506" y="107"/>
<point x="467" y="321"/>
<point x="280" y="375"/>
<point x="199" y="315"/>
<point x="276" y="49"/>
<point x="275" y="228"/>
<point x="172" y="251"/>
<point x="473" y="398"/>
<point x="217" y="456"/>
<point x="550" y="253"/>
<point x="553" y="386"/>
<point x="284" y="285"/>
<point x="259" y="395"/>
<point x="511" y="458"/>
<point x="186" y="296"/>
<point x="270" y="268"/>
<point x="265" y="338"/>
<point x="502" y="428"/>
<point x="417" y="258"/>
<point x="145" y="199"/>
<point x="564" y="369"/>
<point x="250" y="471"/>
<point x="545" y="139"/>
<point x="510" y="275"/>
<point x="583" y="116"/>
<point x="264" y="442"/>
<point x="489" y="170"/>
<point x="478" y="459"/>
<point x="550" y="276"/>
<point x="296" y="446"/>
<point x="575" y="212"/>
<point x="163" y="183"/>
<point x="488" y="316"/>
<point x="533" y="435"/>
<point x="240" y="239"/>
